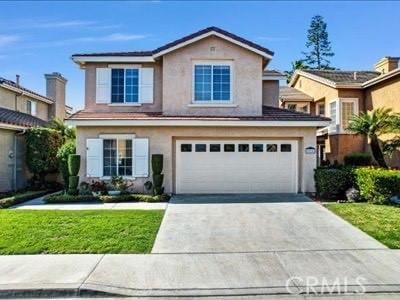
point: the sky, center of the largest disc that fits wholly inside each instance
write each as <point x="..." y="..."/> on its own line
<point x="40" y="37"/>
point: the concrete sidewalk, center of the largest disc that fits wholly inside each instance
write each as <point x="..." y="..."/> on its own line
<point x="239" y="274"/>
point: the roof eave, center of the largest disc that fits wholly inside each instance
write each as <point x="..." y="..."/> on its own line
<point x="24" y="92"/>
<point x="381" y="78"/>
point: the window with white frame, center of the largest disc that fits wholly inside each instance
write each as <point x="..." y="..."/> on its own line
<point x="31" y="107"/>
<point x="321" y="109"/>
<point x="212" y="82"/>
<point x="348" y="109"/>
<point x="117" y="157"/>
<point x="332" y="113"/>
<point x="124" y="85"/>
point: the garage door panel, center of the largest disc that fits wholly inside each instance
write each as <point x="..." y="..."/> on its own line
<point x="236" y="172"/>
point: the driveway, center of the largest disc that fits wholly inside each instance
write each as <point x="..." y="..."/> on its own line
<point x="254" y="223"/>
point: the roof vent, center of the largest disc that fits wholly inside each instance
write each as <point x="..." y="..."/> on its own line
<point x="17" y="77"/>
<point x="355" y="75"/>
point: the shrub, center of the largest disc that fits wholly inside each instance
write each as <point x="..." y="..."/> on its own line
<point x="135" y="198"/>
<point x="158" y="178"/>
<point x="98" y="187"/>
<point x="377" y="185"/>
<point x="84" y="188"/>
<point x="332" y="183"/>
<point x="20" y="197"/>
<point x="42" y="145"/>
<point x="358" y="159"/>
<point x="74" y="163"/>
<point x="65" y="198"/>
<point x="62" y="156"/>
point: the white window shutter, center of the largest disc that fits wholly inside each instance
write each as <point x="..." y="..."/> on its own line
<point x="141" y="154"/>
<point x="94" y="157"/>
<point x="146" y="85"/>
<point x="103" y="85"/>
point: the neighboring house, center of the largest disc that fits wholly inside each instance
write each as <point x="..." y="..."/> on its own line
<point x="204" y="102"/>
<point x="21" y="108"/>
<point x="339" y="95"/>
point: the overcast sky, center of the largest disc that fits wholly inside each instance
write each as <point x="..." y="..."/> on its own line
<point x="39" y="37"/>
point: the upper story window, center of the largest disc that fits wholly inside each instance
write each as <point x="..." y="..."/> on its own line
<point x="212" y="82"/>
<point x="321" y="109"/>
<point x="341" y="111"/>
<point x="124" y="85"/>
<point x="300" y="107"/>
<point x="31" y="107"/>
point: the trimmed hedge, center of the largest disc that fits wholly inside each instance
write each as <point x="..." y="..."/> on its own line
<point x="332" y="183"/>
<point x="358" y="159"/>
<point x="135" y="198"/>
<point x="65" y="198"/>
<point x="377" y="185"/>
<point x="21" y="197"/>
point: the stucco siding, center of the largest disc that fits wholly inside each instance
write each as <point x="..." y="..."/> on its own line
<point x="246" y="78"/>
<point x="270" y="92"/>
<point x="90" y="90"/>
<point x="162" y="141"/>
<point x="13" y="101"/>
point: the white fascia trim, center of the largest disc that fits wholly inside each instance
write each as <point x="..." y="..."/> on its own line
<point x="199" y="123"/>
<point x="12" y="127"/>
<point x="381" y="78"/>
<point x="207" y="35"/>
<point x="26" y="93"/>
<point x="84" y="59"/>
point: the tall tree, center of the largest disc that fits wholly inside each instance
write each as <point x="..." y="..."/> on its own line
<point x="318" y="45"/>
<point x="296" y="65"/>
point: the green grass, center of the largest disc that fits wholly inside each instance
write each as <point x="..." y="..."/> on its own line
<point x="382" y="222"/>
<point x="90" y="231"/>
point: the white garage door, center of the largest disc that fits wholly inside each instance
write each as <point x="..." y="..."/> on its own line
<point x="236" y="166"/>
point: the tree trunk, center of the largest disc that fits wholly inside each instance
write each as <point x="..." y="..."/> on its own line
<point x="377" y="152"/>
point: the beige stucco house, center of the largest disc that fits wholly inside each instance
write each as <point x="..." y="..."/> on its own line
<point x="339" y="95"/>
<point x="22" y="108"/>
<point x="206" y="102"/>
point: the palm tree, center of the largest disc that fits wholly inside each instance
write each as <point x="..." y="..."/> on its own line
<point x="296" y="65"/>
<point x="380" y="121"/>
<point x="67" y="133"/>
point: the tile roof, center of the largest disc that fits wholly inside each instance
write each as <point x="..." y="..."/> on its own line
<point x="182" y="40"/>
<point x="17" y="118"/>
<point x="272" y="73"/>
<point x="287" y="93"/>
<point x="343" y="77"/>
<point x="269" y="114"/>
<point x="15" y="85"/>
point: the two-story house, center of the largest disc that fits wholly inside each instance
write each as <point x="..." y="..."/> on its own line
<point x="208" y="104"/>
<point x="339" y="95"/>
<point x="22" y="108"/>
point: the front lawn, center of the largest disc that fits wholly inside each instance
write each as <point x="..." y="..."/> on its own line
<point x="382" y="222"/>
<point x="91" y="231"/>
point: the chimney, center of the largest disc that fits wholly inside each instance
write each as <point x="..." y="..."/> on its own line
<point x="355" y="75"/>
<point x="387" y="64"/>
<point x="55" y="89"/>
<point x="17" y="77"/>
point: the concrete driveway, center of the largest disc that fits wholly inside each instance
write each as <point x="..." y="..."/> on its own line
<point x="254" y="223"/>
